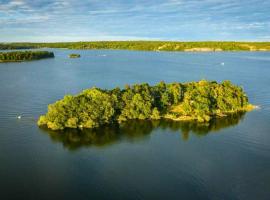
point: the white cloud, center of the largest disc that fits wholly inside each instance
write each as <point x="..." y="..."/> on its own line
<point x="13" y="5"/>
<point x="138" y="19"/>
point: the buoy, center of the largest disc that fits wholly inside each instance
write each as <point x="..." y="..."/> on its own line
<point x="222" y="63"/>
<point x="19" y="117"/>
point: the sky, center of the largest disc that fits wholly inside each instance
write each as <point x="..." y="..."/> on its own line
<point x="91" y="20"/>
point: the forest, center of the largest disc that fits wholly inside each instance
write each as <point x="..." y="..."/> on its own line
<point x="148" y="45"/>
<point x="18" y="56"/>
<point x="196" y="101"/>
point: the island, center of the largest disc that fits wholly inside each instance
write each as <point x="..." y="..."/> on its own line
<point x="193" y="101"/>
<point x="74" y="55"/>
<point x="201" y="46"/>
<point x="19" y="56"/>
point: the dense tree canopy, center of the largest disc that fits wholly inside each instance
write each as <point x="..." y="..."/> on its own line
<point x="15" y="56"/>
<point x="94" y="107"/>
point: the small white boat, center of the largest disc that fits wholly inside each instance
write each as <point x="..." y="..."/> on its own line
<point x="19" y="117"/>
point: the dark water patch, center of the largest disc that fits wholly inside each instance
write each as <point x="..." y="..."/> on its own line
<point x="138" y="130"/>
<point x="226" y="159"/>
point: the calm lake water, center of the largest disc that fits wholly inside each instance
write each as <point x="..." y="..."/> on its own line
<point x="226" y="159"/>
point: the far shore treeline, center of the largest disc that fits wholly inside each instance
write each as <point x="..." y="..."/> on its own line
<point x="200" y="101"/>
<point x="148" y="45"/>
<point x="18" y="56"/>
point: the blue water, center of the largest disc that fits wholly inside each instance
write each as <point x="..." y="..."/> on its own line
<point x="227" y="159"/>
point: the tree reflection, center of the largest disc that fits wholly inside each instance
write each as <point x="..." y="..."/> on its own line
<point x="136" y="130"/>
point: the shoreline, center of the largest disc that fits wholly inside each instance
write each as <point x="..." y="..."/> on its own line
<point x="144" y="45"/>
<point x="19" y="61"/>
<point x="24" y="56"/>
<point x="176" y="101"/>
<point x="247" y="108"/>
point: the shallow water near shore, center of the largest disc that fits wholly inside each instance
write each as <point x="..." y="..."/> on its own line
<point x="224" y="159"/>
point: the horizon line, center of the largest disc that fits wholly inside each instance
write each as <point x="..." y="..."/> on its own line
<point x="2" y="42"/>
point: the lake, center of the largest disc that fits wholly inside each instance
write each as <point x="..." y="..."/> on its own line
<point x="225" y="159"/>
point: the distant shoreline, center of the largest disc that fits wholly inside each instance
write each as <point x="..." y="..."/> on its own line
<point x="206" y="46"/>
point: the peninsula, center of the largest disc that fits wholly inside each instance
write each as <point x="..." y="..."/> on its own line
<point x="20" y="56"/>
<point x="199" y="101"/>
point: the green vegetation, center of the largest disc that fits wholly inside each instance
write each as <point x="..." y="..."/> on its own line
<point x="74" y="55"/>
<point x="149" y="45"/>
<point x="199" y="101"/>
<point x="18" y="56"/>
<point x="10" y="46"/>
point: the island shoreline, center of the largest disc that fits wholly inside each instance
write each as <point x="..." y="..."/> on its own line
<point x="193" y="101"/>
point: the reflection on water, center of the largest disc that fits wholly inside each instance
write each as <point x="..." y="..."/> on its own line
<point x="139" y="160"/>
<point x="135" y="130"/>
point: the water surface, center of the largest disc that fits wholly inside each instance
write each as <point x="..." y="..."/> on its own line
<point x="225" y="159"/>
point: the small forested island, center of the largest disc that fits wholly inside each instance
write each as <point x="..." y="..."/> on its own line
<point x="73" y="55"/>
<point x="199" y="101"/>
<point x="19" y="56"/>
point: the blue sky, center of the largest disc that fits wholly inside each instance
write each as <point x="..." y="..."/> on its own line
<point x="86" y="20"/>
